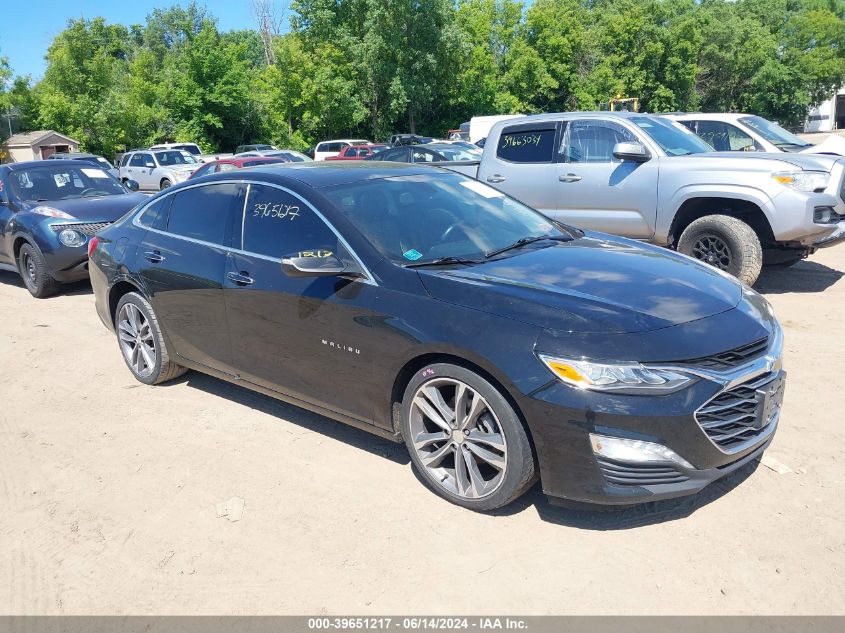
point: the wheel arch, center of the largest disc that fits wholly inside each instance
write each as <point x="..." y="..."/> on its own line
<point x="118" y="290"/>
<point x="415" y="364"/>
<point x="743" y="209"/>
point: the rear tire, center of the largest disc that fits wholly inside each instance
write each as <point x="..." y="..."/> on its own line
<point x="725" y="242"/>
<point x="33" y="270"/>
<point x="141" y="342"/>
<point x="465" y="440"/>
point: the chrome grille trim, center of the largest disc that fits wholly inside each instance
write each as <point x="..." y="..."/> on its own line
<point x="86" y="228"/>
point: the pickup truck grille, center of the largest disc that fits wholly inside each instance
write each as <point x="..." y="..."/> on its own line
<point x="731" y="358"/>
<point x="86" y="229"/>
<point x="736" y="417"/>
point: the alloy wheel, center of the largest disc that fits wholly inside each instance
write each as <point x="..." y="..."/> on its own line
<point x="458" y="438"/>
<point x="712" y="250"/>
<point x="136" y="340"/>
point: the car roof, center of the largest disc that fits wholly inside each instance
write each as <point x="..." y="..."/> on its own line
<point x="318" y="174"/>
<point x="240" y="160"/>
<point x="707" y="116"/>
<point x="58" y="162"/>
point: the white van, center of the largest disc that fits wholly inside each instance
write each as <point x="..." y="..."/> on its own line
<point x="333" y="148"/>
<point x="479" y="126"/>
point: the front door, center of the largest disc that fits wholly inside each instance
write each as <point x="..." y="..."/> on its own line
<point x="183" y="266"/>
<point x="303" y="336"/>
<point x="6" y="215"/>
<point x="597" y="191"/>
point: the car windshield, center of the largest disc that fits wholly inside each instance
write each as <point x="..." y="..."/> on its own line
<point x="189" y="147"/>
<point x="422" y="218"/>
<point x="773" y="133"/>
<point x="674" y="139"/>
<point x="294" y="157"/>
<point x="456" y="152"/>
<point x="102" y="162"/>
<point x="175" y="157"/>
<point x="42" y="184"/>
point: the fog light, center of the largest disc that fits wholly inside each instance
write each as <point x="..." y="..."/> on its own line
<point x="824" y="215"/>
<point x="625" y="450"/>
<point x="69" y="237"/>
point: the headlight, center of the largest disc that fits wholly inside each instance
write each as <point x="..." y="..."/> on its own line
<point x="632" y="378"/>
<point x="50" y="212"/>
<point x="803" y="180"/>
<point x="69" y="237"/>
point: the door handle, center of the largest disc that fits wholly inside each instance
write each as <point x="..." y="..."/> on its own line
<point x="154" y="256"/>
<point x="241" y="278"/>
<point x="496" y="178"/>
<point x="569" y="178"/>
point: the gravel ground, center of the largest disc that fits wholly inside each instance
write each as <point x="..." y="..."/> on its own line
<point x="112" y="493"/>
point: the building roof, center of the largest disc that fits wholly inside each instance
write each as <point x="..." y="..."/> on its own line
<point x="32" y="138"/>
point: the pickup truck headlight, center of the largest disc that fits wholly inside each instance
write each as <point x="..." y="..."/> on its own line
<point x="630" y="378"/>
<point x="808" y="181"/>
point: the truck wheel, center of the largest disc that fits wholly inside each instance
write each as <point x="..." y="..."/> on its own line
<point x="781" y="258"/>
<point x="726" y="243"/>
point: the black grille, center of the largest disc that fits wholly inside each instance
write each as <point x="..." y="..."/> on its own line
<point x="743" y="413"/>
<point x="732" y="358"/>
<point x="87" y="229"/>
<point x="631" y="474"/>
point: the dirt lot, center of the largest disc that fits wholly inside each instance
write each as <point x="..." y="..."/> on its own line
<point x="110" y="492"/>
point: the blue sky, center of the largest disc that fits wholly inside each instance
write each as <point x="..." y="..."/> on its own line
<point x="27" y="27"/>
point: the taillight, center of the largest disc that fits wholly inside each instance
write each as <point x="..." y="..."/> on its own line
<point x="92" y="245"/>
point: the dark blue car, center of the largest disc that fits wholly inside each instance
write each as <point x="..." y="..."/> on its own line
<point x="425" y="306"/>
<point x="48" y="212"/>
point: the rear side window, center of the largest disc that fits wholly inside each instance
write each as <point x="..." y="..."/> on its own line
<point x="204" y="213"/>
<point x="278" y="224"/>
<point x="155" y="215"/>
<point x="520" y="145"/>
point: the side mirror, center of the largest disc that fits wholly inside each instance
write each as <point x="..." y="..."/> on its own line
<point x="132" y="185"/>
<point x="318" y="263"/>
<point x="634" y="152"/>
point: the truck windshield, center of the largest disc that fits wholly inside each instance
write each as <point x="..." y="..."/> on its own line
<point x="422" y="219"/>
<point x="773" y="133"/>
<point x="673" y="139"/>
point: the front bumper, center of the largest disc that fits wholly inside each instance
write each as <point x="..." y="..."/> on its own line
<point x="562" y="419"/>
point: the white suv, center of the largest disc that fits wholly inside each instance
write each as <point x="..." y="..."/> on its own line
<point x="737" y="132"/>
<point x="157" y="169"/>
<point x="333" y="148"/>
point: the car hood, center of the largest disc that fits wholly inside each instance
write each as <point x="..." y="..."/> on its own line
<point x="593" y="284"/>
<point x="102" y="208"/>
<point x="831" y="145"/>
<point x="763" y="161"/>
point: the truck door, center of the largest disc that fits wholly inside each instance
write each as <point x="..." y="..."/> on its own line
<point x="597" y="191"/>
<point x="522" y="163"/>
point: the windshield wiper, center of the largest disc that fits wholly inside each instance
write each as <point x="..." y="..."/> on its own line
<point x="443" y="260"/>
<point x="523" y="241"/>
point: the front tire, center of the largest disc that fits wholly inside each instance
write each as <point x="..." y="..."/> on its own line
<point x="725" y="242"/>
<point x="165" y="183"/>
<point x="35" y="274"/>
<point x="465" y="439"/>
<point x="141" y="342"/>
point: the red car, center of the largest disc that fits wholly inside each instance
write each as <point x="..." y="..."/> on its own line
<point x="229" y="164"/>
<point x="358" y="152"/>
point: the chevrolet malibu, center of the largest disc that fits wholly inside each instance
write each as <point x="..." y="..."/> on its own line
<point x="48" y="212"/>
<point x="426" y="307"/>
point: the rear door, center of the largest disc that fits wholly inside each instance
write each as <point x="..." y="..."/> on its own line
<point x="597" y="191"/>
<point x="303" y="336"/>
<point x="522" y="164"/>
<point x="183" y="261"/>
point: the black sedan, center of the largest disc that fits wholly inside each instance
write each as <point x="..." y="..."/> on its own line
<point x="48" y="211"/>
<point x="430" y="153"/>
<point x="428" y="307"/>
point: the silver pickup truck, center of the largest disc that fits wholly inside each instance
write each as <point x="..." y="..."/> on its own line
<point x="648" y="178"/>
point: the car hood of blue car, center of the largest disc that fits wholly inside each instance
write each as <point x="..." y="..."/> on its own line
<point x="594" y="284"/>
<point x="100" y="208"/>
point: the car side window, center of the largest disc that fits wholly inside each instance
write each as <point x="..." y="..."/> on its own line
<point x="278" y="224"/>
<point x="592" y="141"/>
<point x="155" y="215"/>
<point x="205" y="212"/>
<point x="148" y="160"/>
<point x="724" y="137"/>
<point x="137" y="160"/>
<point x="423" y="156"/>
<point x="400" y="155"/>
<point x="520" y="145"/>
